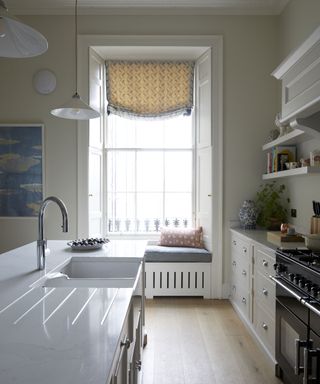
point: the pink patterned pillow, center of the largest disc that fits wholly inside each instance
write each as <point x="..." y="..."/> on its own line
<point x="191" y="237"/>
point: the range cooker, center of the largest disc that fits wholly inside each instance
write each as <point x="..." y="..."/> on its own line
<point x="298" y="315"/>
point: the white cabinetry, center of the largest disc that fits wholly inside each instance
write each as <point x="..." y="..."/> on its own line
<point x="252" y="292"/>
<point x="264" y="296"/>
<point x="299" y="74"/>
<point x="126" y="368"/>
<point x="300" y="79"/>
<point x="241" y="276"/>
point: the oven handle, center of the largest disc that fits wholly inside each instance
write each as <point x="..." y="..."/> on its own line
<point x="276" y="280"/>
<point x="311" y="307"/>
<point x="299" y="298"/>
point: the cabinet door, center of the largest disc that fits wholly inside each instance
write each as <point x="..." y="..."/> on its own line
<point x="135" y="366"/>
<point x="264" y="297"/>
<point x="241" y="251"/>
<point x="121" y="373"/>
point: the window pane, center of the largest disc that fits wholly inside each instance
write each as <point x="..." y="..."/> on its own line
<point x="149" y="205"/>
<point x="121" y="207"/>
<point x="146" y="182"/>
<point x="178" y="171"/>
<point x="149" y="171"/>
<point x="178" y="205"/>
<point x="178" y="132"/>
<point x="150" y="133"/>
<point x="120" y="132"/>
<point x="121" y="171"/>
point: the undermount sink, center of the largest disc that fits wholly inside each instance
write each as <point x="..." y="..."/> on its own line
<point x="93" y="272"/>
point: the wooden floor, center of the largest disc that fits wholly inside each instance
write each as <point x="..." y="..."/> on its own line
<point x="196" y="341"/>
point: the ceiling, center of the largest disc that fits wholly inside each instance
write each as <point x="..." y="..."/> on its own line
<point x="251" y="7"/>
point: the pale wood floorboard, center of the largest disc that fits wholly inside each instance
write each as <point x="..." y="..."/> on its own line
<point x="195" y="341"/>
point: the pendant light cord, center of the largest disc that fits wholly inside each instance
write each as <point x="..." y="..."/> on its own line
<point x="76" y="43"/>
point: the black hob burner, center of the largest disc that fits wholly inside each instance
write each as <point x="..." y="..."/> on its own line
<point x="305" y="256"/>
<point x="300" y="268"/>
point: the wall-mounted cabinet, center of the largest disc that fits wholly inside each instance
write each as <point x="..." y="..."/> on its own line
<point x="299" y="74"/>
<point x="300" y="80"/>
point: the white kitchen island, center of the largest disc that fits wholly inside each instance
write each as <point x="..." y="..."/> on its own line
<point x="60" y="335"/>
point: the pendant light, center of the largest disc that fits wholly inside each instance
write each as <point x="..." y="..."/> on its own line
<point x="18" y="40"/>
<point x="76" y="108"/>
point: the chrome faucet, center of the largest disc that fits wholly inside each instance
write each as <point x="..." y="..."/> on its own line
<point x="42" y="243"/>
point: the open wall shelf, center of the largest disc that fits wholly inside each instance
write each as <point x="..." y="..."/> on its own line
<point x="291" y="172"/>
<point x="294" y="137"/>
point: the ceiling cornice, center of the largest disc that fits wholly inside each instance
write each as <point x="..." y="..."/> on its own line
<point x="139" y="10"/>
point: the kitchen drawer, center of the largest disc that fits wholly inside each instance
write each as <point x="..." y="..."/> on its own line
<point x="240" y="274"/>
<point x="241" y="299"/>
<point x="264" y="293"/>
<point x="264" y="259"/>
<point x="240" y="246"/>
<point x="265" y="328"/>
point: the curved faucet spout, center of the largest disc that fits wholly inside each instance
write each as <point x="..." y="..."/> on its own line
<point x="42" y="243"/>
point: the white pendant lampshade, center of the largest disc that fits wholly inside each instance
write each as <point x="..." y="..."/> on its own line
<point x="18" y="40"/>
<point x="76" y="108"/>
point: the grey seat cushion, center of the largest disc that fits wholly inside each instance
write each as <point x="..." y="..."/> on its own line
<point x="160" y="254"/>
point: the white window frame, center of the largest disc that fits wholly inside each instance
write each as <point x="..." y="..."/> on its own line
<point x="85" y="42"/>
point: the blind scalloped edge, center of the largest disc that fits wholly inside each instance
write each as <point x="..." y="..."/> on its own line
<point x="150" y="89"/>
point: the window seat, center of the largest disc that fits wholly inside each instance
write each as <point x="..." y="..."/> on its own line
<point x="177" y="271"/>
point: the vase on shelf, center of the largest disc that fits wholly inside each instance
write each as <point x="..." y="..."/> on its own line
<point x="248" y="215"/>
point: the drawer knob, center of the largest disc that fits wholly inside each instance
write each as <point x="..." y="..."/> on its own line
<point x="244" y="273"/>
<point x="244" y="249"/>
<point x="264" y="326"/>
<point x="244" y="300"/>
<point x="234" y="263"/>
<point x="264" y="263"/>
<point x="265" y="291"/>
<point x="234" y="242"/>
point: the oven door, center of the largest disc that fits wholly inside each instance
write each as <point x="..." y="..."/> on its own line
<point x="292" y="335"/>
<point x="291" y="339"/>
<point x="312" y="355"/>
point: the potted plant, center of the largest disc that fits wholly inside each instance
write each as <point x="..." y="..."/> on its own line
<point x="271" y="203"/>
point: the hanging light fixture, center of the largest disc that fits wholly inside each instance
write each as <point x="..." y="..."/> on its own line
<point x="76" y="108"/>
<point x="18" y="40"/>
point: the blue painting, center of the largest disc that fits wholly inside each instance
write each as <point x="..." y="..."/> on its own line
<point x="21" y="164"/>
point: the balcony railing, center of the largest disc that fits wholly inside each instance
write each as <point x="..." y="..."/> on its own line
<point x="148" y="225"/>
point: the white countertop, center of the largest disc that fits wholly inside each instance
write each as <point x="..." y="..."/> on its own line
<point x="59" y="335"/>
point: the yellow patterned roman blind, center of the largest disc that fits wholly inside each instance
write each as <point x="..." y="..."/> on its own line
<point x="150" y="89"/>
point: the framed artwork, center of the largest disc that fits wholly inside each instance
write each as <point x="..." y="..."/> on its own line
<point x="21" y="169"/>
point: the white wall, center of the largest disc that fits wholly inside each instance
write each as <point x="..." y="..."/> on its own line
<point x="296" y="23"/>
<point x="250" y="102"/>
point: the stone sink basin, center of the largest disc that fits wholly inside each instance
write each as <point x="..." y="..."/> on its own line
<point x="93" y="272"/>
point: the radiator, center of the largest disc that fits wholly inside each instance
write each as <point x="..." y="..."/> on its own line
<point x="178" y="279"/>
